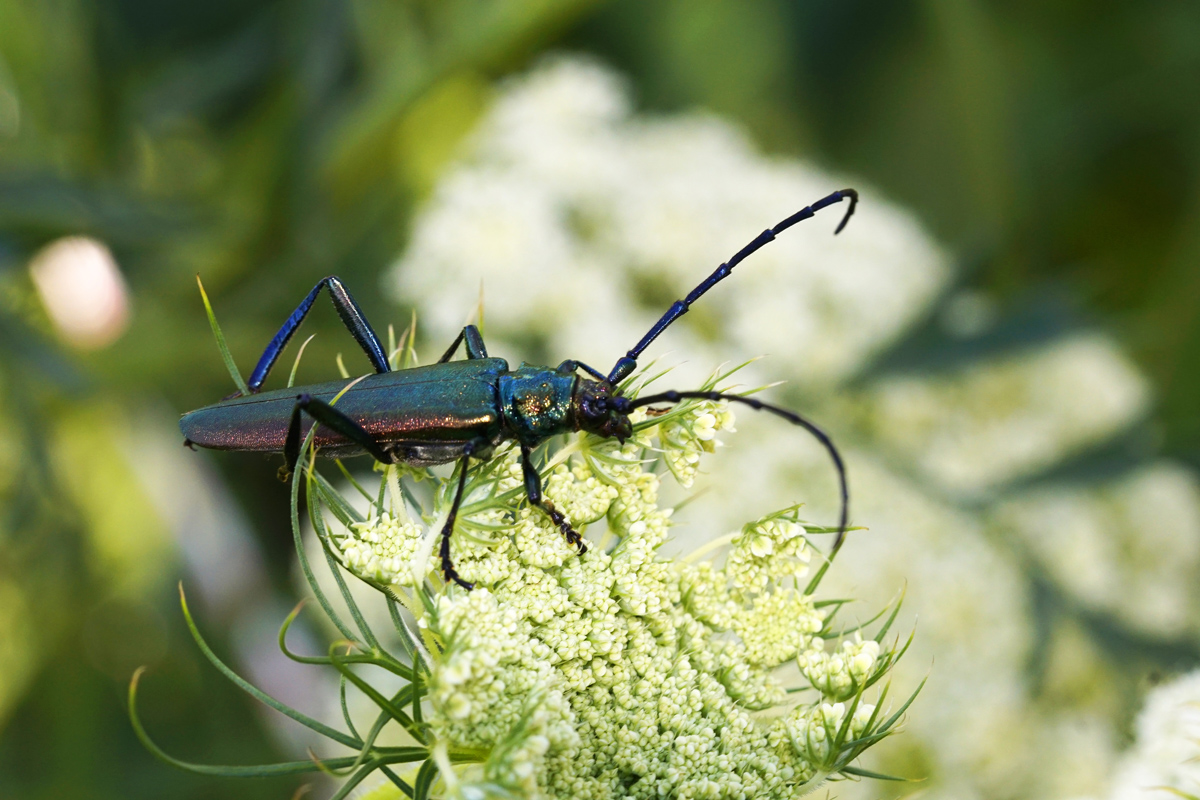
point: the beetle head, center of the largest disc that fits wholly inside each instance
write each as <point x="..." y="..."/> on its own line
<point x="599" y="410"/>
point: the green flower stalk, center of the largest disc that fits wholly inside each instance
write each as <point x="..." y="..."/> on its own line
<point x="613" y="674"/>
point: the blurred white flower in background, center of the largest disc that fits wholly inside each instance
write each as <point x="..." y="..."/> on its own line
<point x="1105" y="544"/>
<point x="998" y="420"/>
<point x="1165" y="759"/>
<point x="83" y="291"/>
<point x="583" y="221"/>
<point x="570" y="211"/>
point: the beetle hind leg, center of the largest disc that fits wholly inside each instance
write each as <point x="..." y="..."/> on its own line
<point x="448" y="570"/>
<point x="330" y="417"/>
<point x="474" y="342"/>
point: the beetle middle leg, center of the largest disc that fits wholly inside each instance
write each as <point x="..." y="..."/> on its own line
<point x="474" y="340"/>
<point x="533" y="489"/>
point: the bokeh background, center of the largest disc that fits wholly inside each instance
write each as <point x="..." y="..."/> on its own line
<point x="1007" y="340"/>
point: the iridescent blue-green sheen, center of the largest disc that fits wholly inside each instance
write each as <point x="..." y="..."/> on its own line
<point x="435" y="408"/>
<point x="536" y="403"/>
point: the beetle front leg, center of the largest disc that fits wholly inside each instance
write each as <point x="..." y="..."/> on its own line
<point x="570" y="365"/>
<point x="330" y="417"/>
<point x="475" y="347"/>
<point x="533" y="488"/>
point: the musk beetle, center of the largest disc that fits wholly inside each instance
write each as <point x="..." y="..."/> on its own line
<point x="459" y="410"/>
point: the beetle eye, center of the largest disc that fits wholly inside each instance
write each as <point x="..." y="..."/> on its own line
<point x="595" y="410"/>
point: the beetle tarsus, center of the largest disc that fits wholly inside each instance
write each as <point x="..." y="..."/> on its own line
<point x="448" y="570"/>
<point x="573" y="537"/>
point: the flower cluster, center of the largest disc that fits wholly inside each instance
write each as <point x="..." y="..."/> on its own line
<point x="814" y="732"/>
<point x="688" y="435"/>
<point x="839" y="674"/>
<point x="995" y="421"/>
<point x="381" y="550"/>
<point x="618" y="673"/>
<point x="767" y="551"/>
<point x="1128" y="546"/>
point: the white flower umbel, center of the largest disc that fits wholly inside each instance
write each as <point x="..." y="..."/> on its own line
<point x="618" y="673"/>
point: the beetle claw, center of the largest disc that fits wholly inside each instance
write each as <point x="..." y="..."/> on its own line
<point x="451" y="575"/>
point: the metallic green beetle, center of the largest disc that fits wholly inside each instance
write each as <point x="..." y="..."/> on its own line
<point x="459" y="410"/>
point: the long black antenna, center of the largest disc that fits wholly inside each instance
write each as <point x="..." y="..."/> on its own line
<point x="625" y="406"/>
<point x="628" y="362"/>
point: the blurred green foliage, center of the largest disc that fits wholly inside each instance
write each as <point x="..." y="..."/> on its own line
<point x="266" y="144"/>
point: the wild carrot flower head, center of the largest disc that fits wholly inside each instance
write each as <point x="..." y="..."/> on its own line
<point x="621" y="673"/>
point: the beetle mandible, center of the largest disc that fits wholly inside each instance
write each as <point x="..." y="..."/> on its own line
<point x="459" y="410"/>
